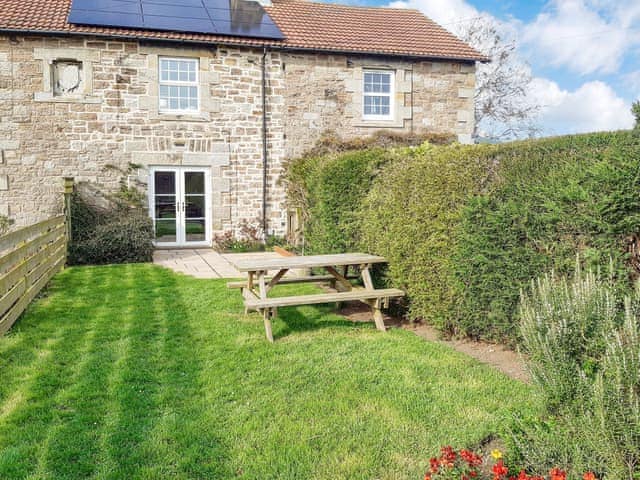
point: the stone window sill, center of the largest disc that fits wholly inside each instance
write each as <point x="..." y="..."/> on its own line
<point x="48" y="97"/>
<point x="170" y="117"/>
<point x="379" y="124"/>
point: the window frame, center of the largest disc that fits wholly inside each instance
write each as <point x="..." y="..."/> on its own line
<point x="391" y="95"/>
<point x="179" y="83"/>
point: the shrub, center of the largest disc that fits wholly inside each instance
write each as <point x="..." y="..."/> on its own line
<point x="5" y="223"/>
<point x="328" y="184"/>
<point x="548" y="200"/>
<point x="411" y="217"/>
<point x="248" y="239"/>
<point x="119" y="234"/>
<point x="583" y="345"/>
<point x="125" y="238"/>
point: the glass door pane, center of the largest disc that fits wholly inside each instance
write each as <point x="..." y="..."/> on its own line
<point x="194" y="207"/>
<point x="165" y="198"/>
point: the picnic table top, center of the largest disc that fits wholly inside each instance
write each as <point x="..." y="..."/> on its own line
<point x="306" y="261"/>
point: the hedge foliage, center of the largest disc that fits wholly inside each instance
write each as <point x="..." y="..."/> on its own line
<point x="121" y="234"/>
<point x="465" y="228"/>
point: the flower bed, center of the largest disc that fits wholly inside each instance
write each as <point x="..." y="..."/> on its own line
<point x="467" y="465"/>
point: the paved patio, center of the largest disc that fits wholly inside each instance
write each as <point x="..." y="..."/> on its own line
<point x="205" y="262"/>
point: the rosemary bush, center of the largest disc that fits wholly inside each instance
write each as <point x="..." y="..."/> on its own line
<point x="583" y="346"/>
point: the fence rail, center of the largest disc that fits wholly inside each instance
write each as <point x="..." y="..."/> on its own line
<point x="29" y="257"/>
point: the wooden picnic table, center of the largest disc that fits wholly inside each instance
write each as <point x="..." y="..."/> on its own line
<point x="256" y="287"/>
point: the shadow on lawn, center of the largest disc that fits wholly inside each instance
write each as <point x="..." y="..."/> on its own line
<point x="309" y="319"/>
<point x="119" y="395"/>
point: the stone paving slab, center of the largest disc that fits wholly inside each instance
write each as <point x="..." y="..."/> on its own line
<point x="206" y="262"/>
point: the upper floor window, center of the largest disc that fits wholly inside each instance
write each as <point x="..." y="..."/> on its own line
<point x="378" y="95"/>
<point x="178" y="85"/>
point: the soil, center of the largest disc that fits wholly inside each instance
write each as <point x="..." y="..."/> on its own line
<point x="498" y="356"/>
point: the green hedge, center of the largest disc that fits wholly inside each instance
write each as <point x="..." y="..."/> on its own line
<point x="121" y="234"/>
<point x="411" y="217"/>
<point x="466" y="227"/>
<point x="548" y="200"/>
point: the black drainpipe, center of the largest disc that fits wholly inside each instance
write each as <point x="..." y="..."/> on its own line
<point x="264" y="143"/>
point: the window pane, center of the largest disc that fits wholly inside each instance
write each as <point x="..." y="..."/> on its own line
<point x="194" y="206"/>
<point x="165" y="206"/>
<point x="192" y="76"/>
<point x="194" y="183"/>
<point x="165" y="230"/>
<point x="173" y="103"/>
<point x="195" y="230"/>
<point x="377" y="105"/>
<point x="165" y="183"/>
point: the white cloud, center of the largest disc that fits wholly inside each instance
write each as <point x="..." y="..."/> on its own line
<point x="584" y="36"/>
<point x="448" y="13"/>
<point x="593" y="107"/>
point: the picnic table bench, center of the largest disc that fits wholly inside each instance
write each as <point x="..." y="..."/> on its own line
<point x="257" y="285"/>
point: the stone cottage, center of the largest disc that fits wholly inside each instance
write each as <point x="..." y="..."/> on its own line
<point x="207" y="119"/>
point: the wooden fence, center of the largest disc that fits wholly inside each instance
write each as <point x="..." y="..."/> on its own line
<point x="29" y="257"/>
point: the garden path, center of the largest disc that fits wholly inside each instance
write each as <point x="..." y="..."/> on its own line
<point x="205" y="262"/>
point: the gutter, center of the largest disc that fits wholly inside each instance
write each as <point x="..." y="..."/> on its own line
<point x="264" y="143"/>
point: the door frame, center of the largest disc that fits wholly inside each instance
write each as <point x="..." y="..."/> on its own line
<point x="180" y="218"/>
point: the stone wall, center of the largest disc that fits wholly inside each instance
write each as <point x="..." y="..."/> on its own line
<point x="112" y="117"/>
<point x="116" y="121"/>
<point x="324" y="92"/>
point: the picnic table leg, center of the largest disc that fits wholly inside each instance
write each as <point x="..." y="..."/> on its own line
<point x="378" y="318"/>
<point x="339" y="280"/>
<point x="249" y="286"/>
<point x="267" y="313"/>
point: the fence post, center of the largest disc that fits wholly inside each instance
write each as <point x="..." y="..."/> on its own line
<point x="68" y="190"/>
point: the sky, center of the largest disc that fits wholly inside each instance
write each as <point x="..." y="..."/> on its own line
<point x="584" y="55"/>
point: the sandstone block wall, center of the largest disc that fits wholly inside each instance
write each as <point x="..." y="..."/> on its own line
<point x="324" y="92"/>
<point x="112" y="117"/>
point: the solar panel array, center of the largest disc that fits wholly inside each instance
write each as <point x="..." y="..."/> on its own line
<point x="244" y="18"/>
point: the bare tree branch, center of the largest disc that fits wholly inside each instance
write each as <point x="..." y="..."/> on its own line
<point x="503" y="110"/>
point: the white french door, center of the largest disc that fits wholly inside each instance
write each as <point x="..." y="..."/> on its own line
<point x="180" y="206"/>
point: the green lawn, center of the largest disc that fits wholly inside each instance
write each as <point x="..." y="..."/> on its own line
<point x="134" y="372"/>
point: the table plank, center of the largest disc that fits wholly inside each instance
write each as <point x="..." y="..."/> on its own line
<point x="308" y="261"/>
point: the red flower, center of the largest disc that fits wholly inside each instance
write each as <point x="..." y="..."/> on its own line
<point x="472" y="459"/>
<point x="427" y="476"/>
<point x="499" y="470"/>
<point x="557" y="474"/>
<point x="448" y="456"/>
<point x="434" y="465"/>
<point x="589" y="476"/>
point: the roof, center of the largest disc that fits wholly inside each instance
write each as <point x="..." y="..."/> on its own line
<point x="305" y="25"/>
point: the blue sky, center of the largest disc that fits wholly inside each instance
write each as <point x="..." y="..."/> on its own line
<point x="584" y="55"/>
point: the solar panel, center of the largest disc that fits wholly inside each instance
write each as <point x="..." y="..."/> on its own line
<point x="245" y="18"/>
